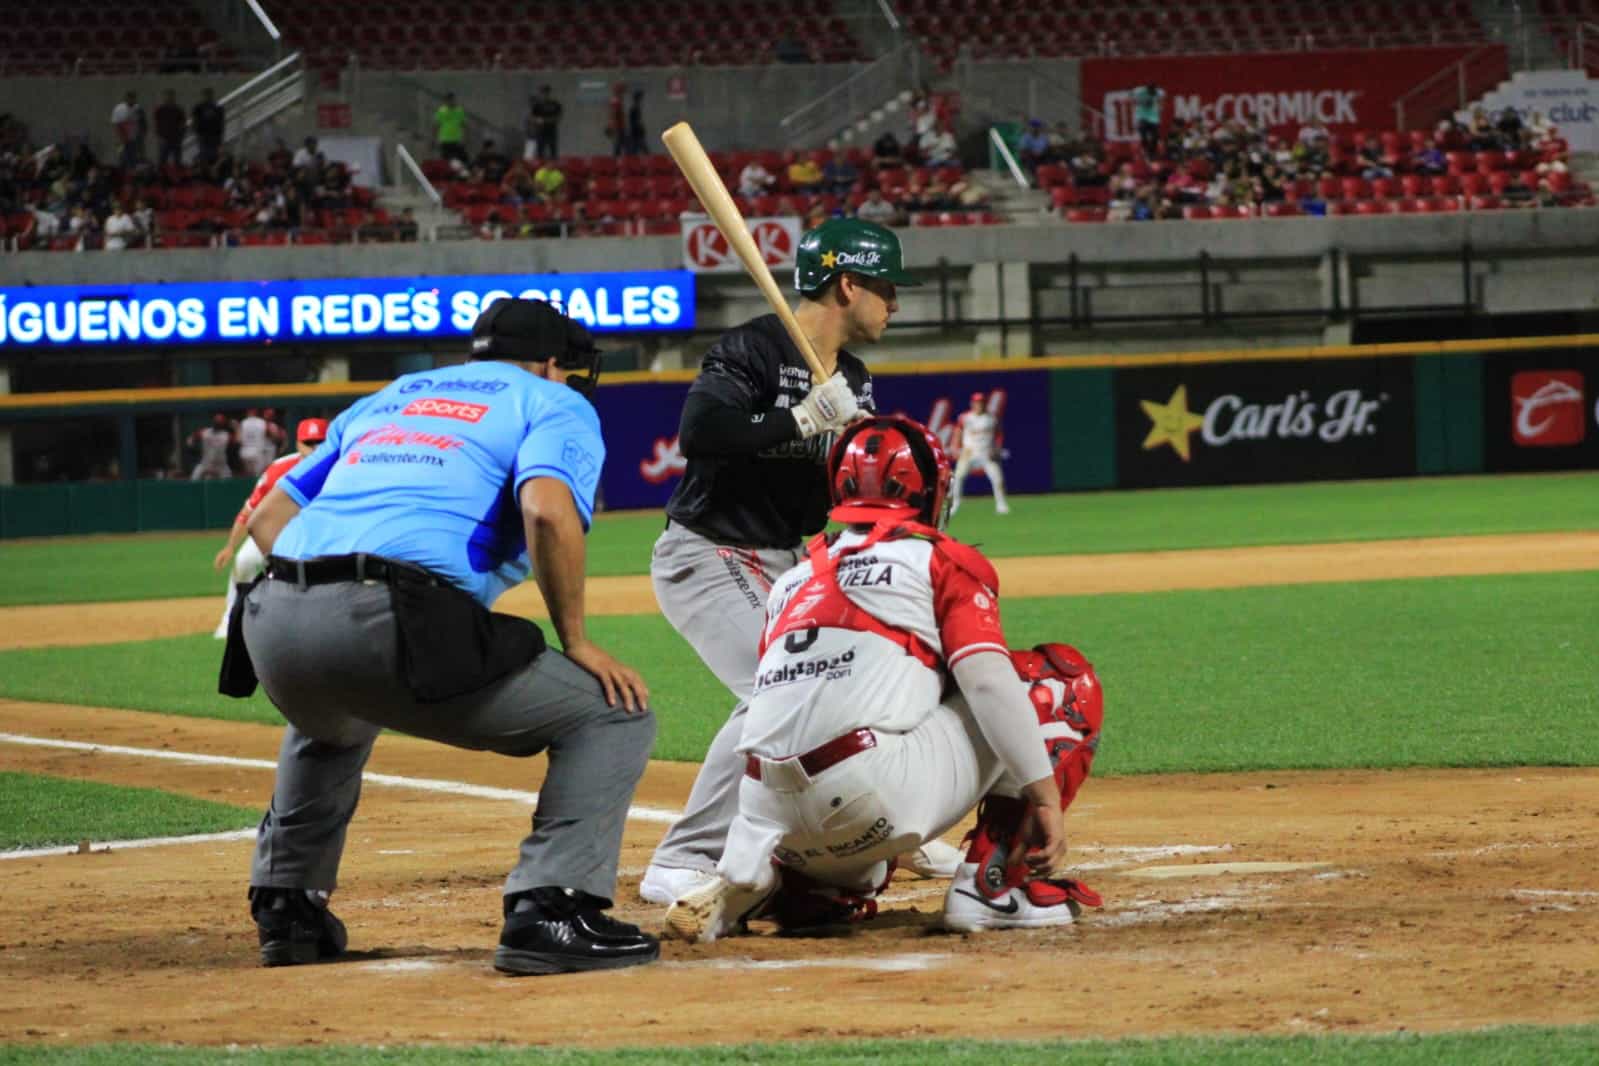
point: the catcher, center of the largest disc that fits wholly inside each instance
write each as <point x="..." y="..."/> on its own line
<point x="851" y="758"/>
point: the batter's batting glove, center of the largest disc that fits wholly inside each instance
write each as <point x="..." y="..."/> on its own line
<point x="829" y="406"/>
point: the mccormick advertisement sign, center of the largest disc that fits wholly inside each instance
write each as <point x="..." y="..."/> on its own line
<point x="1541" y="413"/>
<point x="643" y="462"/>
<point x="1260" y="421"/>
<point x="1280" y="90"/>
<point x="328" y="309"/>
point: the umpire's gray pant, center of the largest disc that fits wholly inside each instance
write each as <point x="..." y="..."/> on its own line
<point x="715" y="596"/>
<point x="327" y="656"/>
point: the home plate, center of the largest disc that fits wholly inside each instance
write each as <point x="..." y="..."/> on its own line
<point x="1219" y="869"/>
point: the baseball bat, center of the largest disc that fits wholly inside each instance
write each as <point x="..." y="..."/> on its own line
<point x="690" y="157"/>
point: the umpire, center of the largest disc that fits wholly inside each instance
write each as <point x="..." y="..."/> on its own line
<point x="385" y="548"/>
<point x="756" y="433"/>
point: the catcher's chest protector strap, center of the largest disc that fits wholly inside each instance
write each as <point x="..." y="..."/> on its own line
<point x="821" y="603"/>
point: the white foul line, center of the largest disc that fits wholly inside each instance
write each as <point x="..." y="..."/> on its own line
<point x="119" y="845"/>
<point x="419" y="784"/>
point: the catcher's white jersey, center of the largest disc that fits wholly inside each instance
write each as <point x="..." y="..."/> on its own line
<point x="977" y="434"/>
<point x="872" y="650"/>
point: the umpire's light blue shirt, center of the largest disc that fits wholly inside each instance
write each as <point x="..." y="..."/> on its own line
<point x="427" y="471"/>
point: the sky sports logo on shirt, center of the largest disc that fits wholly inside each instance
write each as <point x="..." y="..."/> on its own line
<point x="1547" y="408"/>
<point x="459" y="410"/>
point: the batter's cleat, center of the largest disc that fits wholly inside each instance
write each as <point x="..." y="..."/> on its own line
<point x="557" y="930"/>
<point x="714" y="909"/>
<point x="668" y="884"/>
<point x="295" y="926"/>
<point x="934" y="859"/>
<point x="1035" y="904"/>
<point x="1002" y="508"/>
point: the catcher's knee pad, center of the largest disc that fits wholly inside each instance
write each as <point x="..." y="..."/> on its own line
<point x="1071" y="710"/>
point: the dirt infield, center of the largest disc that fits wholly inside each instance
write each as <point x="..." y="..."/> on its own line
<point x="1050" y="575"/>
<point x="1283" y="902"/>
<point x="1435" y="900"/>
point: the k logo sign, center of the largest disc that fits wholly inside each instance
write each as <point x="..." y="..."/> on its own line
<point x="1547" y="408"/>
<point x="705" y="250"/>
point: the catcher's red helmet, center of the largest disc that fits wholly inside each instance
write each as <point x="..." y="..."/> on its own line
<point x="311" y="431"/>
<point x="889" y="463"/>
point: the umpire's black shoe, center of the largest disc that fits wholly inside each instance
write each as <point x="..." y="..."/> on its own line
<point x="556" y="930"/>
<point x="294" y="929"/>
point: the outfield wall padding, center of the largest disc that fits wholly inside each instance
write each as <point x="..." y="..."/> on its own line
<point x="1069" y="423"/>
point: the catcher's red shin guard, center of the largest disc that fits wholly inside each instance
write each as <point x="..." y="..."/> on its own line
<point x="1070" y="706"/>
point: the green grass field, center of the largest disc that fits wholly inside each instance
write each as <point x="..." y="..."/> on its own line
<point x="1518" y="1046"/>
<point x="1239" y="679"/>
<point x="155" y="566"/>
<point x="38" y="810"/>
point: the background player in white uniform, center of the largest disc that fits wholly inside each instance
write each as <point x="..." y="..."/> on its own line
<point x="852" y="759"/>
<point x="977" y="449"/>
<point x="249" y="561"/>
<point x="255" y="449"/>
<point x="213" y="442"/>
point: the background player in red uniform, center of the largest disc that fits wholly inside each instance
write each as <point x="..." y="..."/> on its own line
<point x="249" y="561"/>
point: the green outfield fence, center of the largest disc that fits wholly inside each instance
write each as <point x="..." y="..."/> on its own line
<point x="1074" y="423"/>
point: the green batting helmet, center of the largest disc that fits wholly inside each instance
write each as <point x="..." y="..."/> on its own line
<point x="848" y="244"/>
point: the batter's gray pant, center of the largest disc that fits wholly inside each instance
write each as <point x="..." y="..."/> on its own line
<point x="327" y="656"/>
<point x="715" y="596"/>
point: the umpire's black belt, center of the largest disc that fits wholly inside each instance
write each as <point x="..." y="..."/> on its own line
<point x="333" y="569"/>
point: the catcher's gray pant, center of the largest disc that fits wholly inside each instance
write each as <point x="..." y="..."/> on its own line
<point x="715" y="596"/>
<point x="327" y="657"/>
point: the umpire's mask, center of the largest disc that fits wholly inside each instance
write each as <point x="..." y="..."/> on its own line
<point x="533" y="331"/>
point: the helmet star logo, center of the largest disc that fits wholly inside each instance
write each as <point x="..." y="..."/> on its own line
<point x="829" y="260"/>
<point x="1171" y="423"/>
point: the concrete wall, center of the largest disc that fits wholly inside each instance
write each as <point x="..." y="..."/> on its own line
<point x="77" y="109"/>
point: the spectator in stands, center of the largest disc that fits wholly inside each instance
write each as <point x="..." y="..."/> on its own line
<point x="517" y="186"/>
<point x="542" y="126"/>
<point x="876" y="209"/>
<point x="1184" y="186"/>
<point x="1146" y="114"/>
<point x="449" y="130"/>
<point x="169" y="126"/>
<point x="1511" y="131"/>
<point x="279" y="159"/>
<point x="120" y="229"/>
<point x="939" y="149"/>
<point x="1480" y="134"/>
<point x="491" y="163"/>
<point x="291" y="208"/>
<point x="635" y="126"/>
<point x="1431" y="159"/>
<point x="493" y="226"/>
<point x="1517" y="192"/>
<point x="405" y="228"/>
<point x="209" y="121"/>
<point x="130" y="126"/>
<point x="1086" y="163"/>
<point x="1060" y="143"/>
<point x="1033" y="148"/>
<point x="144" y="217"/>
<point x="549" y="181"/>
<point x="306" y="156"/>
<point x="1372" y="163"/>
<point x="616" y="119"/>
<point x="85" y="226"/>
<point x="754" y="179"/>
<point x="886" y="151"/>
<point x="1269" y="185"/>
<point x="1124" y="185"/>
<point x="840" y="175"/>
<point x="966" y="192"/>
<point x="804" y="174"/>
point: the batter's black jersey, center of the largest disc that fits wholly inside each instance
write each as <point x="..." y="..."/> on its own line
<point x="750" y="481"/>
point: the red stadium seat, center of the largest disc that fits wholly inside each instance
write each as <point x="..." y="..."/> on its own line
<point x="1282" y="209"/>
<point x="1086" y="214"/>
<point x="1197" y="212"/>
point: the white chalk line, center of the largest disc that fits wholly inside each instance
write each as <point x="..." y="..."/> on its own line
<point x="418" y="784"/>
<point x="120" y="845"/>
<point x="904" y="963"/>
